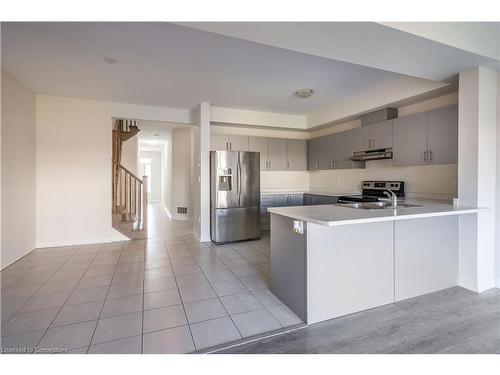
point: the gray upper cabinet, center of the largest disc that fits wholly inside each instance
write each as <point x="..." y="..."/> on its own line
<point x="443" y="135"/>
<point x="381" y="135"/>
<point x="296" y="154"/>
<point x="410" y="140"/>
<point x="426" y="138"/>
<point x="321" y="153"/>
<point x="218" y="142"/>
<point x="238" y="143"/>
<point x="260" y="144"/>
<point x="361" y="138"/>
<point x="277" y="154"/>
<point x="372" y="137"/>
<point x="342" y="150"/>
<point x="228" y="142"/>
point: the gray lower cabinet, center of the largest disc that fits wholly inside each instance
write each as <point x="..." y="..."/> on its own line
<point x="277" y="200"/>
<point x="410" y="140"/>
<point x="315" y="199"/>
<point x="442" y="126"/>
<point x="296" y="154"/>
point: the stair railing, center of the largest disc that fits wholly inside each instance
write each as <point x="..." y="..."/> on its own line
<point x="130" y="196"/>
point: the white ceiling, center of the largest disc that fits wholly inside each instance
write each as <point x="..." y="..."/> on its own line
<point x="428" y="52"/>
<point x="170" y="65"/>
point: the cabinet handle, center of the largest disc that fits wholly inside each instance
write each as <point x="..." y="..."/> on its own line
<point x="425" y="156"/>
<point x="368" y="143"/>
<point x="317" y="164"/>
<point x="430" y="155"/>
<point x="230" y="145"/>
<point x="287" y="165"/>
<point x="270" y="164"/>
<point x="373" y="142"/>
<point x="331" y="164"/>
<point x="227" y="145"/>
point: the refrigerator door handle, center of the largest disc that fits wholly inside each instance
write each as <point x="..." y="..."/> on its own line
<point x="238" y="182"/>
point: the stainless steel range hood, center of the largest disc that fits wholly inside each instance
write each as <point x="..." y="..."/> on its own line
<point x="382" y="153"/>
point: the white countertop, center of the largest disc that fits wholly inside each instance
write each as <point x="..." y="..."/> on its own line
<point x="310" y="191"/>
<point x="331" y="215"/>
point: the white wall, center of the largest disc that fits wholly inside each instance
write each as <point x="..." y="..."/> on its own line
<point x="74" y="165"/>
<point x="18" y="171"/>
<point x="156" y="174"/>
<point x="181" y="173"/>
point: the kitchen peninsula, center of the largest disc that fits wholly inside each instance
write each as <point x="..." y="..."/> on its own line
<point x="332" y="260"/>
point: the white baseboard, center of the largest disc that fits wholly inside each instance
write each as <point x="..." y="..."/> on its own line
<point x="91" y="241"/>
<point x="468" y="283"/>
<point x="181" y="218"/>
<point x="166" y="210"/>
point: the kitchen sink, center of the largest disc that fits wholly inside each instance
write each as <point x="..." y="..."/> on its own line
<point x="377" y="205"/>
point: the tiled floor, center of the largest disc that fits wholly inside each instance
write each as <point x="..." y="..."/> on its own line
<point x="167" y="294"/>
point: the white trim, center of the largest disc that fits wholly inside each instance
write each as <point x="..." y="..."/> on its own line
<point x="93" y="241"/>
<point x="181" y="217"/>
<point x="468" y="283"/>
<point x="166" y="210"/>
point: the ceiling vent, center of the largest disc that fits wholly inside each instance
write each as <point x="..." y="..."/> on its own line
<point x="379" y="116"/>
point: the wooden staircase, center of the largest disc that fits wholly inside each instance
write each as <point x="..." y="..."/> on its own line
<point x="130" y="193"/>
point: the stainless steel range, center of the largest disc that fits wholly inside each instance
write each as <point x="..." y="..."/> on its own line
<point x="373" y="191"/>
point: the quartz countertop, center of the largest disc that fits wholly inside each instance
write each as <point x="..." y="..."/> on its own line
<point x="332" y="193"/>
<point x="331" y="215"/>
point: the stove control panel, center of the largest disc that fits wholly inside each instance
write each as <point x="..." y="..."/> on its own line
<point x="395" y="186"/>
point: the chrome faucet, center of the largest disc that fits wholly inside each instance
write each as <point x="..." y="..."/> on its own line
<point x="392" y="197"/>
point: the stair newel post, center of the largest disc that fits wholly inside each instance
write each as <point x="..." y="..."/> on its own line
<point x="145" y="202"/>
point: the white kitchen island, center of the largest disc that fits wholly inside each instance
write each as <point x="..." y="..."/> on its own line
<point x="348" y="260"/>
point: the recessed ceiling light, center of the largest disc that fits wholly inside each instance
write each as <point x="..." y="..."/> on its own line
<point x="156" y="135"/>
<point x="304" y="93"/>
<point x="110" y="60"/>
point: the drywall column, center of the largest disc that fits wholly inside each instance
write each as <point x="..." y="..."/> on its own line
<point x="497" y="225"/>
<point x="202" y="173"/>
<point x="477" y="176"/>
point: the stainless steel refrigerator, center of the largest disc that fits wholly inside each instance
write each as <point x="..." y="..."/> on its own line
<point x="234" y="196"/>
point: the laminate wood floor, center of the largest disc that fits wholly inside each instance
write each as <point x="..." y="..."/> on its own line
<point x="454" y="320"/>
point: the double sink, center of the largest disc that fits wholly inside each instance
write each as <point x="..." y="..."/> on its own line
<point x="377" y="205"/>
